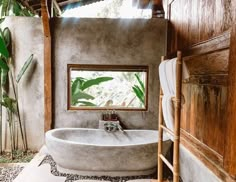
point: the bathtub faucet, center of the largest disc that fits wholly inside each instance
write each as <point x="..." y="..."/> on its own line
<point x="112" y="127"/>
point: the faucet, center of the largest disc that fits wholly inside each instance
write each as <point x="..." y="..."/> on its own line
<point x="112" y="127"/>
<point x="119" y="127"/>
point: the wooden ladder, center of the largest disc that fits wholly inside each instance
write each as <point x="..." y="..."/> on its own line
<point x="176" y="133"/>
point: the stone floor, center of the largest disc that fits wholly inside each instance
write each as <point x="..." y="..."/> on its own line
<point x="9" y="172"/>
<point x="42" y="169"/>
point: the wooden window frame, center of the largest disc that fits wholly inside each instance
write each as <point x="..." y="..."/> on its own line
<point x="95" y="67"/>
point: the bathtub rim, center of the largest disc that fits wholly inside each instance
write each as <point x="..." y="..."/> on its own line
<point x="49" y="135"/>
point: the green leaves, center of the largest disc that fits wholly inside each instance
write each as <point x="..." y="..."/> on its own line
<point x="80" y="95"/>
<point x="79" y="85"/>
<point x="9" y="103"/>
<point x="4" y="53"/>
<point x="3" y="48"/>
<point x="6" y="35"/>
<point x="95" y="81"/>
<point x="76" y="84"/>
<point x="139" y="90"/>
<point x="140" y="82"/>
<point x="24" y="68"/>
<point x="4" y="74"/>
<point x="13" y="7"/>
<point x="139" y="93"/>
<point x="86" y="103"/>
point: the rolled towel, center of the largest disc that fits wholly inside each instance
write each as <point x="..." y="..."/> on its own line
<point x="167" y="74"/>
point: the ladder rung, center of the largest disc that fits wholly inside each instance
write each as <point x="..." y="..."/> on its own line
<point x="166" y="162"/>
<point x="167" y="130"/>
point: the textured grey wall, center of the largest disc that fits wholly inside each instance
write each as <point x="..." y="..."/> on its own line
<point x="27" y="38"/>
<point x="193" y="170"/>
<point x="107" y="41"/>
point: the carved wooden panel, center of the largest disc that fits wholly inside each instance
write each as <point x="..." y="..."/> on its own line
<point x="194" y="29"/>
<point x="196" y="21"/>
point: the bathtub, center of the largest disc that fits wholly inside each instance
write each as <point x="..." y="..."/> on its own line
<point x="96" y="152"/>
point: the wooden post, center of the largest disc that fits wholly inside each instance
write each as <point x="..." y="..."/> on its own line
<point x="47" y="67"/>
<point x="160" y="143"/>
<point x="177" y="117"/>
<point x="230" y="134"/>
<point x="157" y="9"/>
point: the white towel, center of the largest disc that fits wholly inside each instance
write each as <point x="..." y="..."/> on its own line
<point x="167" y="74"/>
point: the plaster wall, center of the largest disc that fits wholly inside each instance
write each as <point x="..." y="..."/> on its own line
<point x="112" y="42"/>
<point x="193" y="170"/>
<point x="27" y="39"/>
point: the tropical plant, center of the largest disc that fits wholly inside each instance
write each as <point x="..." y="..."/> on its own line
<point x="11" y="104"/>
<point x="78" y="87"/>
<point x="13" y="7"/>
<point x="139" y="90"/>
<point x="9" y="8"/>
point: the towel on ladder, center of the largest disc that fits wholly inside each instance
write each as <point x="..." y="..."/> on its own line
<point x="167" y="75"/>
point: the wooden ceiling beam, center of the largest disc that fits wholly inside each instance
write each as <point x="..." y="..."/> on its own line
<point x="63" y="3"/>
<point x="57" y="7"/>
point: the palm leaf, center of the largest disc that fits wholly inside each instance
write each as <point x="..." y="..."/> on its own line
<point x="140" y="82"/>
<point x="3" y="48"/>
<point x="24" y="68"/>
<point x="95" y="81"/>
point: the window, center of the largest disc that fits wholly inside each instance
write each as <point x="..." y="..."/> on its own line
<point x="111" y="9"/>
<point x="107" y="87"/>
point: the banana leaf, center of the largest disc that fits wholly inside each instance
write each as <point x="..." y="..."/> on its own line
<point x="86" y="103"/>
<point x="16" y="9"/>
<point x="76" y="84"/>
<point x="4" y="74"/>
<point x="80" y="95"/>
<point x="4" y="7"/>
<point x="3" y="48"/>
<point x="9" y="103"/>
<point x="95" y="81"/>
<point x="24" y="68"/>
<point x="1" y="20"/>
<point x="3" y="64"/>
<point x="6" y="36"/>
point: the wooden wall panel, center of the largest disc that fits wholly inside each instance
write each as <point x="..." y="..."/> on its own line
<point x="200" y="28"/>
<point x="230" y="138"/>
<point x="203" y="114"/>
<point x="196" y="21"/>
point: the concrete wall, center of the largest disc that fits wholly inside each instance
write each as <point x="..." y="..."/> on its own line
<point x="193" y="170"/>
<point x="107" y="41"/>
<point x="27" y="39"/>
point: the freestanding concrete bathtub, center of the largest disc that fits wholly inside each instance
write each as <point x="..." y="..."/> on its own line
<point x="96" y="152"/>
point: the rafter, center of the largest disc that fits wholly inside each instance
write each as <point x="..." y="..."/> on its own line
<point x="56" y="5"/>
